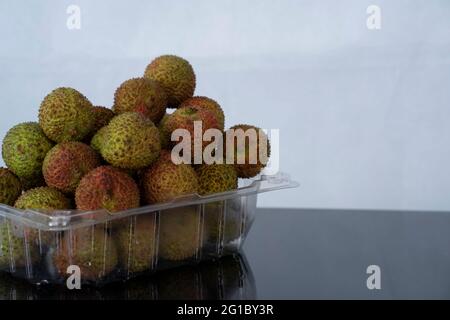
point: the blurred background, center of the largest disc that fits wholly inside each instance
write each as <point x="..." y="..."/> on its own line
<point x="363" y="114"/>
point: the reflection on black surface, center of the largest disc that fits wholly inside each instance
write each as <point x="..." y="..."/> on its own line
<point x="224" y="279"/>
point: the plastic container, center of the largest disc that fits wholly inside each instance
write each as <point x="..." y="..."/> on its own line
<point x="228" y="278"/>
<point x="98" y="247"/>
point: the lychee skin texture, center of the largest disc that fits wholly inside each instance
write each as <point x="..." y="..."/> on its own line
<point x="131" y="141"/>
<point x="102" y="117"/>
<point x="179" y="233"/>
<point x="247" y="169"/>
<point x="185" y="118"/>
<point x="164" y="181"/>
<point x="141" y="95"/>
<point x="216" y="178"/>
<point x="67" y="163"/>
<point x="99" y="139"/>
<point x="208" y="104"/>
<point x="66" y="115"/>
<point x="91" y="249"/>
<point x="47" y="199"/>
<point x="136" y="243"/>
<point x="107" y="188"/>
<point x="10" y="187"/>
<point x="43" y="198"/>
<point x="24" y="150"/>
<point x="176" y="75"/>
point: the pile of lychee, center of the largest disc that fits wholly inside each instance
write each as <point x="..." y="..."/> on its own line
<point x="80" y="156"/>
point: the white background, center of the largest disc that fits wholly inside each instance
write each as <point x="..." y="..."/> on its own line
<point x="364" y="115"/>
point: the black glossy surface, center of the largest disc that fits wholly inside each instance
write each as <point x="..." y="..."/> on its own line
<point x="303" y="254"/>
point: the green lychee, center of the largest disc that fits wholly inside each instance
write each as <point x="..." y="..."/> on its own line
<point x="24" y="149"/>
<point x="130" y="142"/>
<point x="163" y="181"/>
<point x="99" y="139"/>
<point x="91" y="249"/>
<point x="216" y="178"/>
<point x="15" y="251"/>
<point x="43" y="198"/>
<point x="66" y="115"/>
<point x="179" y="233"/>
<point x="176" y="75"/>
<point x="136" y="241"/>
<point x="141" y="95"/>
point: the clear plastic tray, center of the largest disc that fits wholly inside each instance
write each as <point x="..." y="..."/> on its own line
<point x="228" y="278"/>
<point x="102" y="247"/>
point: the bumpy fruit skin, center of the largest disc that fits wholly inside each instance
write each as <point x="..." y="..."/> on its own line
<point x="91" y="249"/>
<point x="165" y="181"/>
<point x="107" y="188"/>
<point x="47" y="199"/>
<point x="99" y="139"/>
<point x="136" y="243"/>
<point x="186" y="118"/>
<point x="208" y="104"/>
<point x="176" y="75"/>
<point x="179" y="233"/>
<point x="141" y="95"/>
<point x="66" y="115"/>
<point x="216" y="178"/>
<point x="24" y="150"/>
<point x="10" y="187"/>
<point x="131" y="141"/>
<point x="102" y="117"/>
<point x="67" y="163"/>
<point x="247" y="169"/>
<point x="13" y="247"/>
<point x="43" y="198"/>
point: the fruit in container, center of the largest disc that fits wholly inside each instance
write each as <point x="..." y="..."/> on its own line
<point x="67" y="163"/>
<point x="163" y="181"/>
<point x="91" y="249"/>
<point x="10" y="187"/>
<point x="47" y="199"/>
<point x="136" y="242"/>
<point x="66" y="115"/>
<point x="15" y="250"/>
<point x="107" y="188"/>
<point x="179" y="233"/>
<point x="131" y="141"/>
<point x="176" y="75"/>
<point x="24" y="149"/>
<point x="217" y="178"/>
<point x="141" y="95"/>
<point x="207" y="104"/>
<point x="43" y="198"/>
